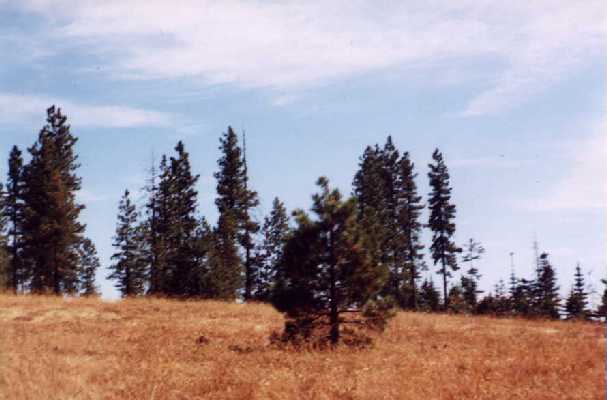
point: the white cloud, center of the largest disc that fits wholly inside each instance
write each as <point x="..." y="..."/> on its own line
<point x="290" y="46"/>
<point x="14" y="108"/>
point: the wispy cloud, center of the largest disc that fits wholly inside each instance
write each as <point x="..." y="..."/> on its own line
<point x="585" y="185"/>
<point x="16" y="107"/>
<point x="290" y="46"/>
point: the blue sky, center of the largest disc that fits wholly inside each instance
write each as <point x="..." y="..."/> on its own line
<point x="514" y="95"/>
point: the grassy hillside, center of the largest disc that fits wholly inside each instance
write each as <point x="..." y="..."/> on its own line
<point x="150" y="349"/>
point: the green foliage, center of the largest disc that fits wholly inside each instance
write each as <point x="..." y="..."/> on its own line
<point x="275" y="233"/>
<point x="128" y="267"/>
<point x="577" y="302"/>
<point x="441" y="221"/>
<point x="389" y="207"/>
<point x="546" y="296"/>
<point x="235" y="226"/>
<point x="602" y="309"/>
<point x="51" y="230"/>
<point x="13" y="213"/>
<point x="327" y="275"/>
<point x="87" y="268"/>
<point x="429" y="297"/>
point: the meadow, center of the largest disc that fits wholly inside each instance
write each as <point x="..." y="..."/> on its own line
<point x="51" y="348"/>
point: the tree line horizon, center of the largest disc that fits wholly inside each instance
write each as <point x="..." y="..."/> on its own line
<point x="360" y="253"/>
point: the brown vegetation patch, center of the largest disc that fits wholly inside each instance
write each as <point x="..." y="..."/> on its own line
<point x="152" y="348"/>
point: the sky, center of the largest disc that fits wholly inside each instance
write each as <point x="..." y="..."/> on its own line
<point x="513" y="94"/>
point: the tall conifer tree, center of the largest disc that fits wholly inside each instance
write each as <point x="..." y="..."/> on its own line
<point x="51" y="229"/>
<point x="441" y="222"/>
<point x="13" y="212"/>
<point x="248" y="227"/>
<point x="409" y="210"/>
<point x="226" y="275"/>
<point x="182" y="257"/>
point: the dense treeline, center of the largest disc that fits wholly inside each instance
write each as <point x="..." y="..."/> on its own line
<point x="349" y="264"/>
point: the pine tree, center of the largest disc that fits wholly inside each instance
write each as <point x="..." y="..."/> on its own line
<point x="249" y="227"/>
<point x="368" y="189"/>
<point x="13" y="212"/>
<point x="577" y="302"/>
<point x="409" y="210"/>
<point x="234" y="225"/>
<point x="441" y="222"/>
<point x="128" y="269"/>
<point x="546" y="299"/>
<point x="275" y="234"/>
<point x="429" y="296"/>
<point x="602" y="309"/>
<point x="51" y="230"/>
<point x="474" y="251"/>
<point x="327" y="272"/>
<point x="182" y="259"/>
<point x="6" y="275"/>
<point x="89" y="264"/>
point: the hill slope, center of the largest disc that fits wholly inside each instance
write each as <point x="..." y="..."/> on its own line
<point x="152" y="349"/>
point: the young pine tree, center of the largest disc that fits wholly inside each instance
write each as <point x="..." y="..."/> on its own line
<point x="441" y="222"/>
<point x="409" y="211"/>
<point x="128" y="268"/>
<point x="577" y="302"/>
<point x="328" y="274"/>
<point x="51" y="231"/>
<point x="13" y="212"/>
<point x="275" y="233"/>
<point x="89" y="264"/>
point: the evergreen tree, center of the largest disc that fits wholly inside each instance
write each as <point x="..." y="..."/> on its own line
<point x="234" y="225"/>
<point x="546" y="301"/>
<point x="181" y="258"/>
<point x="602" y="309"/>
<point x="368" y="189"/>
<point x="248" y="227"/>
<point x="13" y="212"/>
<point x="6" y="275"/>
<point x="474" y="251"/>
<point x="89" y="264"/>
<point x="441" y="222"/>
<point x="409" y="210"/>
<point x="128" y="269"/>
<point x="275" y="234"/>
<point x="51" y="230"/>
<point x="521" y="297"/>
<point x="577" y="302"/>
<point x="429" y="296"/>
<point x="328" y="273"/>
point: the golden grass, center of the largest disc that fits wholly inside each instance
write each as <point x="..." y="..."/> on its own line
<point x="150" y="349"/>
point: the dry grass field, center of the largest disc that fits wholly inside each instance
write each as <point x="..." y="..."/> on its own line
<point x="150" y="349"/>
